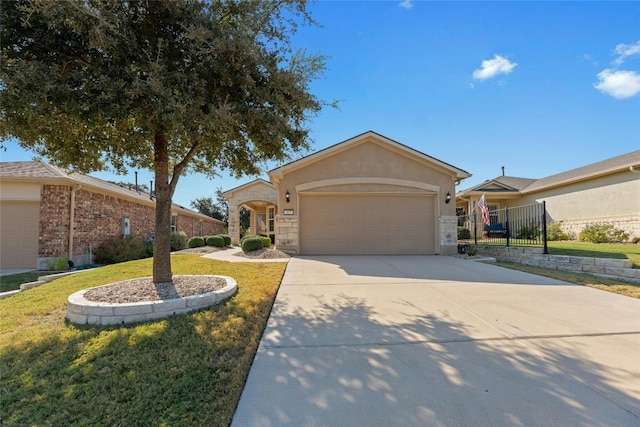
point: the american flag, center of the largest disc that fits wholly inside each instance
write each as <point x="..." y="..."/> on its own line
<point x="482" y="205"/>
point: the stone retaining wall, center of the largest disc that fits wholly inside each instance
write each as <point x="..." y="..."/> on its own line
<point x="534" y="257"/>
<point x="84" y="312"/>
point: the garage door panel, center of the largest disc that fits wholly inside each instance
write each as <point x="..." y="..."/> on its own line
<point x="19" y="222"/>
<point x="367" y="224"/>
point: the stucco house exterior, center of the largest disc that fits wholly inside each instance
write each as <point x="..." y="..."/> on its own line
<point x="366" y="195"/>
<point x="606" y="191"/>
<point x="47" y="212"/>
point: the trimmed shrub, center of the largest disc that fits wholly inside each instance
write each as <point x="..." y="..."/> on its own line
<point x="251" y="243"/>
<point x="603" y="233"/>
<point x="196" y="242"/>
<point x="178" y="240"/>
<point x="216" y="241"/>
<point x="464" y="233"/>
<point x="266" y="241"/>
<point x="118" y="249"/>
<point x="226" y="238"/>
<point x="246" y="236"/>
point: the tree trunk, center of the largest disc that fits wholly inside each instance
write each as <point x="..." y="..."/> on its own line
<point x="162" y="243"/>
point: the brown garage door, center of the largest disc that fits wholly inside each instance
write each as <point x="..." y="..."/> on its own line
<point x="367" y="224"/>
<point x="19" y="227"/>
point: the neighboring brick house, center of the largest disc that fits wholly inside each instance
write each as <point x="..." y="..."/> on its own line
<point x="46" y="212"/>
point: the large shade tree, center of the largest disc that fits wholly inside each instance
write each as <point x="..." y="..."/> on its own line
<point x="168" y="85"/>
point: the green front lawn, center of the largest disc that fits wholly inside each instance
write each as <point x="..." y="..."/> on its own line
<point x="597" y="250"/>
<point x="12" y="282"/>
<point x="605" y="284"/>
<point x="185" y="370"/>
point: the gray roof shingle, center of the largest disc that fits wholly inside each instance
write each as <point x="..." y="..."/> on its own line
<point x="41" y="171"/>
<point x="529" y="185"/>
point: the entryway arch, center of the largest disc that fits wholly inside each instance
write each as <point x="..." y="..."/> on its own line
<point x="261" y="199"/>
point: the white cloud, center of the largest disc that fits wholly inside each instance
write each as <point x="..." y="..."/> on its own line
<point x="618" y="84"/>
<point x="493" y="67"/>
<point x="626" y="50"/>
<point x="407" y="4"/>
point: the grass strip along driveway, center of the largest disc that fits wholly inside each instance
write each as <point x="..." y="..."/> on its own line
<point x="184" y="370"/>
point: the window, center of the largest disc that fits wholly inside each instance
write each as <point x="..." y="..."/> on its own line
<point x="174" y="223"/>
<point x="271" y="218"/>
<point x="201" y="229"/>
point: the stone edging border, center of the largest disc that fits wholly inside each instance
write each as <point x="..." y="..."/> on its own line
<point x="84" y="312"/>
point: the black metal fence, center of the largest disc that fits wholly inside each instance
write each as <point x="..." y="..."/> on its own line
<point x="517" y="226"/>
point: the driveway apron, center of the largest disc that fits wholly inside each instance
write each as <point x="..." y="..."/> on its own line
<point x="441" y="341"/>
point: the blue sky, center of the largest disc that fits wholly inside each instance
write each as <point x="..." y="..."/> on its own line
<point x="536" y="87"/>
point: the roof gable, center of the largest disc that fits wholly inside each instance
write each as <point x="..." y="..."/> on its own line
<point x="503" y="183"/>
<point x="369" y="136"/>
<point x="255" y="183"/>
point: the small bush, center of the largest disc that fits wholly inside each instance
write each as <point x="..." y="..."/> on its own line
<point x="266" y="241"/>
<point x="196" y="242"/>
<point x="226" y="238"/>
<point x="246" y="236"/>
<point x="148" y="249"/>
<point x="178" y="240"/>
<point x="603" y="233"/>
<point x="529" y="232"/>
<point x="58" y="263"/>
<point x="216" y="241"/>
<point x="252" y="243"/>
<point x="118" y="249"/>
<point x="555" y="233"/>
<point x="464" y="233"/>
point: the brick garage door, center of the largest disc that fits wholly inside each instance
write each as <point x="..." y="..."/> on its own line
<point x="367" y="224"/>
<point x="19" y="231"/>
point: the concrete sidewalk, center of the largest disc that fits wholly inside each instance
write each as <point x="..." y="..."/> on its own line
<point x="415" y="341"/>
<point x="229" y="255"/>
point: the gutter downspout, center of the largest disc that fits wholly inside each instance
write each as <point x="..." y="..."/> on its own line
<point x="72" y="209"/>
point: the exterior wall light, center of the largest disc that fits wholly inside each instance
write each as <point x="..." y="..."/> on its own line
<point x="447" y="198"/>
<point x="287" y="196"/>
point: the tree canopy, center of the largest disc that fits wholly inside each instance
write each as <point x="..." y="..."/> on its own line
<point x="218" y="209"/>
<point x="166" y="85"/>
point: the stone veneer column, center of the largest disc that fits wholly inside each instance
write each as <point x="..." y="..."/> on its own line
<point x="234" y="224"/>
<point x="448" y="235"/>
<point x="287" y="232"/>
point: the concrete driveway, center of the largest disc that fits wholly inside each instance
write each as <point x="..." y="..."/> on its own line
<point x="420" y="341"/>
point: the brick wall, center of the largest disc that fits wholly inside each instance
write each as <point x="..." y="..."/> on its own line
<point x="191" y="226"/>
<point x="53" y="238"/>
<point x="97" y="218"/>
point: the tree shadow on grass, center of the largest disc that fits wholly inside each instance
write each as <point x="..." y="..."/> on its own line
<point x="338" y="362"/>
<point x="184" y="370"/>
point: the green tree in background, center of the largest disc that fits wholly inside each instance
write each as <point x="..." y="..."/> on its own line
<point x="167" y="85"/>
<point x="216" y="209"/>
